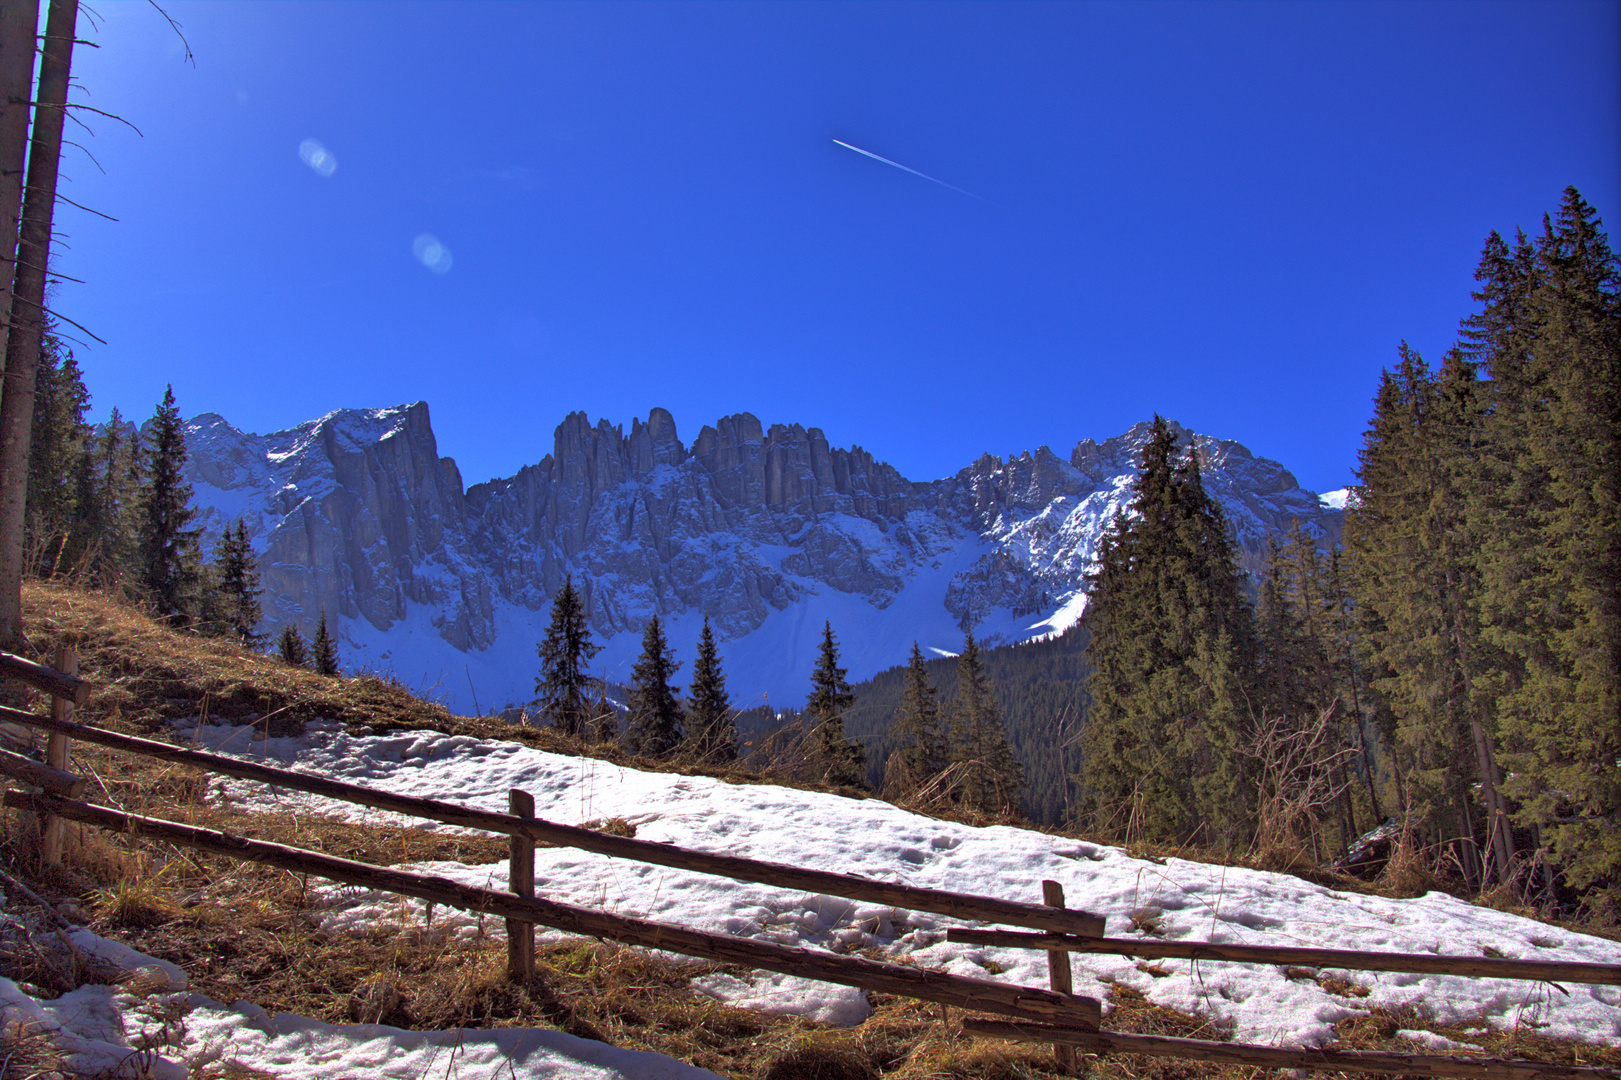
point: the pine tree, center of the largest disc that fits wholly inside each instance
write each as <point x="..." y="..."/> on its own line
<point x="563" y="686"/>
<point x="324" y="649"/>
<point x="120" y="467"/>
<point x="1416" y="572"/>
<point x="55" y="519"/>
<point x="1367" y="721"/>
<point x="917" y="724"/>
<point x="991" y="780"/>
<point x="170" y="555"/>
<point x="236" y="579"/>
<point x="655" y="711"/>
<point x="1549" y="335"/>
<point x="1281" y="660"/>
<point x="292" y="647"/>
<point x="711" y="725"/>
<point x="833" y="758"/>
<point x="1171" y="651"/>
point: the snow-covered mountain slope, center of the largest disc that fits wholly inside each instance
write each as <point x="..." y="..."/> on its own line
<point x="1192" y="901"/>
<point x="767" y="531"/>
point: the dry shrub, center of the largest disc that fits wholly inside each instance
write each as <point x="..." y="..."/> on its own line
<point x="1408" y="873"/>
<point x="134" y="903"/>
<point x="28" y="1052"/>
<point x="615" y="826"/>
<point x="1342" y="987"/>
<point x="1300" y="769"/>
<point x="1376" y="1029"/>
<point x="1148" y="920"/>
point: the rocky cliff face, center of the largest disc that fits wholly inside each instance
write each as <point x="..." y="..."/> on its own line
<point x="765" y="531"/>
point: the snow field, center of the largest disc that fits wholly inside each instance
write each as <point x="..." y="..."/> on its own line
<point x="1191" y="901"/>
<point x="154" y="1024"/>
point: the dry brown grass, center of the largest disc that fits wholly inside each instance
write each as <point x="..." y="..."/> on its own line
<point x="1377" y="1029"/>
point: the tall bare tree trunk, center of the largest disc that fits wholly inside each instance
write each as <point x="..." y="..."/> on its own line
<point x="27" y="324"/>
<point x="19" y="24"/>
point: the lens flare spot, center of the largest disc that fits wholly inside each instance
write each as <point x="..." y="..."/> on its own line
<point x="317" y="157"/>
<point x="431" y="253"/>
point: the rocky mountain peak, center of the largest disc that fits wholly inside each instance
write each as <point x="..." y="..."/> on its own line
<point x="766" y="530"/>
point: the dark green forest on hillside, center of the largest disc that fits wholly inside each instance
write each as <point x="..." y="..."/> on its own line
<point x="1456" y="665"/>
<point x="1040" y="686"/>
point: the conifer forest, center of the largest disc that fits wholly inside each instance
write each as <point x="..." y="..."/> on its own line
<point x="1450" y="666"/>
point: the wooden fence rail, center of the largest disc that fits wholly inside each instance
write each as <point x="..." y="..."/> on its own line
<point x="57" y="683"/>
<point x="68" y="692"/>
<point x="936" y="986"/>
<point x="1055" y="1016"/>
<point x="908" y="897"/>
<point x="1477" y="967"/>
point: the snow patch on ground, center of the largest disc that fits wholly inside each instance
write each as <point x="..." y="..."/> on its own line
<point x="1193" y="901"/>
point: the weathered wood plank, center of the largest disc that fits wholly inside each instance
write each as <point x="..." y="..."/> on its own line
<point x="53" y="830"/>
<point x="521" y="882"/>
<point x="1478" y="967"/>
<point x="1271" y="1057"/>
<point x="908" y="897"/>
<point x="29" y="771"/>
<point x="1059" y="977"/>
<point x="978" y="994"/>
<point x="43" y="678"/>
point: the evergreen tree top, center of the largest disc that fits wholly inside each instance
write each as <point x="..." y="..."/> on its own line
<point x="830" y="692"/>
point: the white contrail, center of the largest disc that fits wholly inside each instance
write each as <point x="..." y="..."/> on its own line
<point x="903" y="168"/>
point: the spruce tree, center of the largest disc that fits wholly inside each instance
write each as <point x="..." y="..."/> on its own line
<point x="832" y="757"/>
<point x="711" y="725"/>
<point x="1416" y="566"/>
<point x="1549" y="335"/>
<point x="1171" y="653"/>
<point x="169" y="544"/>
<point x="655" y="710"/>
<point x="113" y="550"/>
<point x="324" y="649"/>
<point x="562" y="687"/>
<point x="236" y="581"/>
<point x="917" y="724"/>
<point x="56" y="521"/>
<point x="992" y="780"/>
<point x="1311" y="594"/>
<point x="292" y="647"/>
<point x="1281" y="661"/>
<point x="1368" y="722"/>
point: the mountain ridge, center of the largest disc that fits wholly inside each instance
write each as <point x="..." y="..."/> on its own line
<point x="767" y="530"/>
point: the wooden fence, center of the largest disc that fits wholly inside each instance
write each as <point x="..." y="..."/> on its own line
<point x="1056" y="1015"/>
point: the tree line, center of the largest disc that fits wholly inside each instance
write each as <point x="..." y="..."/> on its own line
<point x="108" y="506"/>
<point x="955" y="755"/>
<point x="569" y="698"/>
<point x="1455" y="666"/>
<point x="1485" y="556"/>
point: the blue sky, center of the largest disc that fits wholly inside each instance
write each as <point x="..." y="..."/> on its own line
<point x="1227" y="213"/>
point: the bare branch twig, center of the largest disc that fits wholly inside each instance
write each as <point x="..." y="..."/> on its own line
<point x="176" y="28"/>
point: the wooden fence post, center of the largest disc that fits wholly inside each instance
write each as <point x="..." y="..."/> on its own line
<point x="1058" y="974"/>
<point x="53" y="828"/>
<point x="521" y="881"/>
